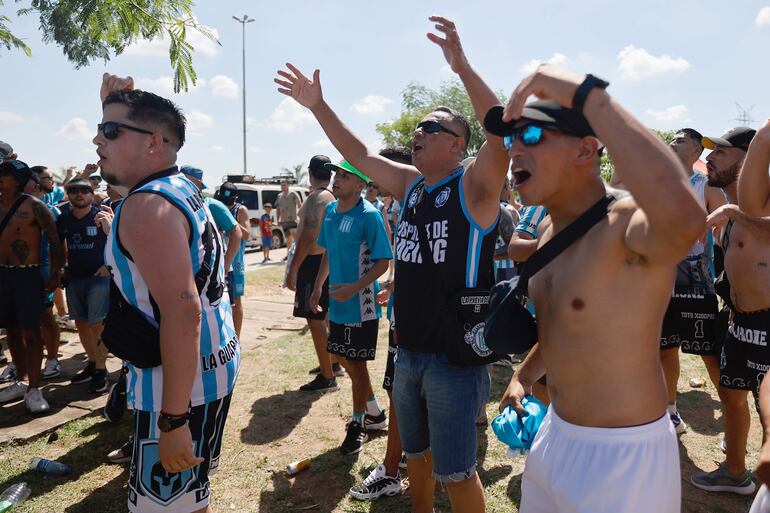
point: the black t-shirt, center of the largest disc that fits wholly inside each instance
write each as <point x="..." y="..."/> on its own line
<point x="462" y="258"/>
<point x="85" y="242"/>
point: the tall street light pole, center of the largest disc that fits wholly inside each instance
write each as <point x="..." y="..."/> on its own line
<point x="243" y="21"/>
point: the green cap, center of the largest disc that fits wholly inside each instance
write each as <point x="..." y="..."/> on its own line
<point x="344" y="165"/>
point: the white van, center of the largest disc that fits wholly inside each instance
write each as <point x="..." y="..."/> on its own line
<point x="253" y="193"/>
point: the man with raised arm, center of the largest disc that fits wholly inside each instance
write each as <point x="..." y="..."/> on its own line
<point x="600" y="303"/>
<point x="166" y="259"/>
<point x="437" y="402"/>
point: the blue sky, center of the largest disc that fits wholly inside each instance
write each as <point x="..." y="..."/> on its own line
<point x="670" y="63"/>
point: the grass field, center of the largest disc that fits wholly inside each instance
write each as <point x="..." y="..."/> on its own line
<point x="272" y="424"/>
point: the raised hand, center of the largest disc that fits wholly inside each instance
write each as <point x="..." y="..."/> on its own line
<point x="89" y="170"/>
<point x="113" y="83"/>
<point x="295" y="84"/>
<point x="450" y="45"/>
<point x="547" y="83"/>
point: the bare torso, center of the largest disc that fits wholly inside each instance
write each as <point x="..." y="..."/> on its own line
<point x="747" y="264"/>
<point x="20" y="241"/>
<point x="600" y="308"/>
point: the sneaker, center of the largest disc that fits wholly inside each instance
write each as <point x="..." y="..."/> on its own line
<point x="51" y="369"/>
<point x="8" y="374"/>
<point x="504" y="361"/>
<point x="355" y="438"/>
<point x="116" y="401"/>
<point x="84" y="375"/>
<point x="99" y="381"/>
<point x="376" y="422"/>
<point x="12" y="392"/>
<point x="320" y="384"/>
<point x="402" y="463"/>
<point x="35" y="401"/>
<point x="678" y="423"/>
<point x="721" y="481"/>
<point x="337" y="369"/>
<point x="122" y="454"/>
<point x="376" y="485"/>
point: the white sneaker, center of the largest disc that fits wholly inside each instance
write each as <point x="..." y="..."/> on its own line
<point x="15" y="390"/>
<point x="8" y="374"/>
<point x="51" y="369"/>
<point x="35" y="401"/>
<point x="376" y="485"/>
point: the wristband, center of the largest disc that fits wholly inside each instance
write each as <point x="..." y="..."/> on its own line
<point x="581" y="93"/>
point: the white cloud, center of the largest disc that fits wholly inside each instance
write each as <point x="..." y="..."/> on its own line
<point x="217" y="148"/>
<point x="197" y="121"/>
<point x="763" y="17"/>
<point x="159" y="47"/>
<point x="371" y="104"/>
<point x="288" y="116"/>
<point x="223" y="86"/>
<point x="76" y="129"/>
<point x="638" y="63"/>
<point x="10" y="118"/>
<point x="557" y="59"/>
<point x="323" y="143"/>
<point x="675" y="113"/>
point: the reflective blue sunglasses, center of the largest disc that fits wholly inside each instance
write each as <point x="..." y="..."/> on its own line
<point x="529" y="135"/>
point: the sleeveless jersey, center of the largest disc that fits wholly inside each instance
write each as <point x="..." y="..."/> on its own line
<point x="239" y="265"/>
<point x="219" y="357"/>
<point x="461" y="251"/>
<point x="695" y="274"/>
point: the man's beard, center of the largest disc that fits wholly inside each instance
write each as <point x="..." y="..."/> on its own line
<point x="110" y="178"/>
<point x="725" y="177"/>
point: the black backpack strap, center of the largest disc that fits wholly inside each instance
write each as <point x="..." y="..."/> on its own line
<point x="563" y="240"/>
<point x="9" y="215"/>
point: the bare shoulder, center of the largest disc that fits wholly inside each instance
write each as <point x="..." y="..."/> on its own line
<point x="149" y="212"/>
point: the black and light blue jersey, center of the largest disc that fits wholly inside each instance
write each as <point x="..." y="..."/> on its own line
<point x="219" y="357"/>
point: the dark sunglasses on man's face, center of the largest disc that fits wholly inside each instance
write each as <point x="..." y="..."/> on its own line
<point x="529" y="135"/>
<point x="434" y="127"/>
<point x="79" y="190"/>
<point x="110" y="129"/>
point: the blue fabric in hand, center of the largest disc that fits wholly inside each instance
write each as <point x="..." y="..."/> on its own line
<point x="516" y="432"/>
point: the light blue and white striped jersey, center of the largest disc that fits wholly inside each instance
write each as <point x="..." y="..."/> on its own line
<point x="219" y="358"/>
<point x="530" y="219"/>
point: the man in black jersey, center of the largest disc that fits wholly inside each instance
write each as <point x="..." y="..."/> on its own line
<point x="437" y="402"/>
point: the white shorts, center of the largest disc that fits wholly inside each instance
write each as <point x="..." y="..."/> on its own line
<point x="761" y="502"/>
<point x="576" y="469"/>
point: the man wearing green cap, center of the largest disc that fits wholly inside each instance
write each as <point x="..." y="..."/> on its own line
<point x="357" y="253"/>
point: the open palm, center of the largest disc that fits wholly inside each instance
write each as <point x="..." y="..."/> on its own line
<point x="295" y="84"/>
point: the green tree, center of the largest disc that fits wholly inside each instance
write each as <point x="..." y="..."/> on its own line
<point x="607" y="167"/>
<point x="297" y="172"/>
<point x="418" y="100"/>
<point x="88" y="30"/>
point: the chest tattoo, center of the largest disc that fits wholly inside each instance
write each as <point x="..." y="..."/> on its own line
<point x="20" y="249"/>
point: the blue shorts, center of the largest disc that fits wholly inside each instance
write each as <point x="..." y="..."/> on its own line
<point x="88" y="298"/>
<point x="236" y="284"/>
<point x="267" y="242"/>
<point x="437" y="405"/>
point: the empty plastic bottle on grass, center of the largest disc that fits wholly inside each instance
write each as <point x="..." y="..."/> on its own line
<point x="49" y="467"/>
<point x="13" y="495"/>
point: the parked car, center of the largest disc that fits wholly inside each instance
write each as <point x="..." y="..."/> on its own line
<point x="253" y="194"/>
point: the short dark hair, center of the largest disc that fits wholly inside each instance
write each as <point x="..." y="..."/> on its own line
<point x="322" y="173"/>
<point x="144" y="106"/>
<point x="692" y="134"/>
<point x="458" y="118"/>
<point x="400" y="154"/>
<point x="38" y="170"/>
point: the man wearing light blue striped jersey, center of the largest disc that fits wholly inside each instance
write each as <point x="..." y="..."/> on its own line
<point x="166" y="258"/>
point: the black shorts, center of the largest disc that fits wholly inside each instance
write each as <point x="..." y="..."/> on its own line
<point x="745" y="354"/>
<point x="690" y="323"/>
<point x="150" y="487"/>
<point x="308" y="270"/>
<point x="356" y="342"/>
<point x="390" y="364"/>
<point x="21" y="293"/>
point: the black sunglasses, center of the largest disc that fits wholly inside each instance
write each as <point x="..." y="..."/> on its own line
<point x="110" y="129"/>
<point x="79" y="190"/>
<point x="434" y="127"/>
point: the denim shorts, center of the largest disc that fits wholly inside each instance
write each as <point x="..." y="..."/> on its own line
<point x="88" y="298"/>
<point x="437" y="405"/>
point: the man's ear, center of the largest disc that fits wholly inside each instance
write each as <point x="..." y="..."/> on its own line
<point x="587" y="149"/>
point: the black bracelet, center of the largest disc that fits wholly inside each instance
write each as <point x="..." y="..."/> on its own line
<point x="581" y="93"/>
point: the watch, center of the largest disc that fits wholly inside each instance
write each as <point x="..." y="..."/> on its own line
<point x="581" y="93"/>
<point x="168" y="422"/>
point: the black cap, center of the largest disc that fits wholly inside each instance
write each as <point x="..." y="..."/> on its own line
<point x="317" y="163"/>
<point x="79" y="183"/>
<point x="227" y="192"/>
<point x="738" y="137"/>
<point x="547" y="112"/>
<point x="5" y="150"/>
<point x="18" y="169"/>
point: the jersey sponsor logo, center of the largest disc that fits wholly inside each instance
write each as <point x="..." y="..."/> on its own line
<point x="475" y="339"/>
<point x="748" y="335"/>
<point x="157" y="484"/>
<point x="408" y="246"/>
<point x="442" y="197"/>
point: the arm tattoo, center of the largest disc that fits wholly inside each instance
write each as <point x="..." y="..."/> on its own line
<point x="48" y="227"/>
<point x="187" y="296"/>
<point x="505" y="229"/>
<point x="311" y="214"/>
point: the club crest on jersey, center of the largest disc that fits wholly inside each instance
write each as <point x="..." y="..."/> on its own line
<point x="442" y="197"/>
<point x="91" y="231"/>
<point x="415" y="197"/>
<point x="475" y="339"/>
<point x="157" y="484"/>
